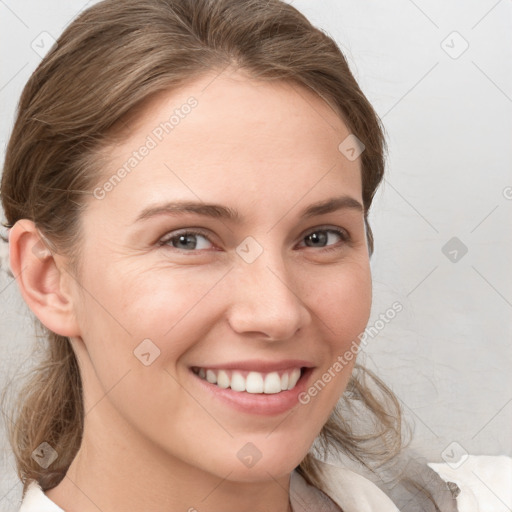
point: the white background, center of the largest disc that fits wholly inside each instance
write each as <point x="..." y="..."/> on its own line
<point x="448" y="354"/>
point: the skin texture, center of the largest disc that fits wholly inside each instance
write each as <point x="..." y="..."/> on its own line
<point x="153" y="439"/>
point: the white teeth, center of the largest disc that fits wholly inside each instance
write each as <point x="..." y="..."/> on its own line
<point x="294" y="377"/>
<point x="222" y="379"/>
<point x="254" y="382"/>
<point x="237" y="382"/>
<point x="272" y="383"/>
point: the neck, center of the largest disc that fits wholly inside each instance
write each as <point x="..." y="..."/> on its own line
<point x="123" y="472"/>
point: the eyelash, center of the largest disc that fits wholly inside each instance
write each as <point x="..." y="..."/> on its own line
<point x="342" y="233"/>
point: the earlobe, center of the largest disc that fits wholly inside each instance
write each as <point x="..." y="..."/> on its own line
<point x="42" y="282"/>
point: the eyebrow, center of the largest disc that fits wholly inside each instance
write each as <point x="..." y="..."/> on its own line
<point x="218" y="211"/>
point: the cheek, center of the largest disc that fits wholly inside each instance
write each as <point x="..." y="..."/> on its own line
<point x="171" y="301"/>
<point x="343" y="306"/>
<point x="344" y="303"/>
<point x="127" y="305"/>
<point x="136" y="326"/>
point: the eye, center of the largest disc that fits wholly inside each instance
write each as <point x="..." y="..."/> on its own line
<point x="186" y="240"/>
<point x="320" y="237"/>
<point x="194" y="240"/>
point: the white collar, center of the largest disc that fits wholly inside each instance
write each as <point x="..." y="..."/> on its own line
<point x="35" y="500"/>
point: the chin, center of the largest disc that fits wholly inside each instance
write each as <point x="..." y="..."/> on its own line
<point x="260" y="472"/>
<point x="264" y="459"/>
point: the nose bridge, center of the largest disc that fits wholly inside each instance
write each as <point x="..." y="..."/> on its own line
<point x="265" y="296"/>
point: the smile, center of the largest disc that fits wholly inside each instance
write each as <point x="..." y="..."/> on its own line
<point x="251" y="381"/>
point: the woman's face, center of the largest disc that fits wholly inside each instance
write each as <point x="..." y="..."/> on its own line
<point x="171" y="297"/>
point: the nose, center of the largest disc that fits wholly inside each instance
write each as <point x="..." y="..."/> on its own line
<point x="266" y="300"/>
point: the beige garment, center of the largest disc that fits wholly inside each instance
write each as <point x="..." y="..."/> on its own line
<point x="343" y="488"/>
<point x="353" y="492"/>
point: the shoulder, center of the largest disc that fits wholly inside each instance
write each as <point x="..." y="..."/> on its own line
<point x="352" y="491"/>
<point x="35" y="500"/>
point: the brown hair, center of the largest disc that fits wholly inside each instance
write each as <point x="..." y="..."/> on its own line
<point x="113" y="57"/>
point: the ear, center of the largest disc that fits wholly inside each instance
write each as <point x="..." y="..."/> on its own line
<point x="42" y="280"/>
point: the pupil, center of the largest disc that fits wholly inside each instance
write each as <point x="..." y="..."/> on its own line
<point x="319" y="236"/>
<point x="183" y="239"/>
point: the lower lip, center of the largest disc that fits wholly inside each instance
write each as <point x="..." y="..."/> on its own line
<point x="262" y="404"/>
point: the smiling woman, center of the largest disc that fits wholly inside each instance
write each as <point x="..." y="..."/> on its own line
<point x="196" y="271"/>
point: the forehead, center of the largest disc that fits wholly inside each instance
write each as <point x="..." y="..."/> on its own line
<point x="228" y="136"/>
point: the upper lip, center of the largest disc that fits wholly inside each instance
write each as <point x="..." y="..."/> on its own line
<point x="259" y="365"/>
